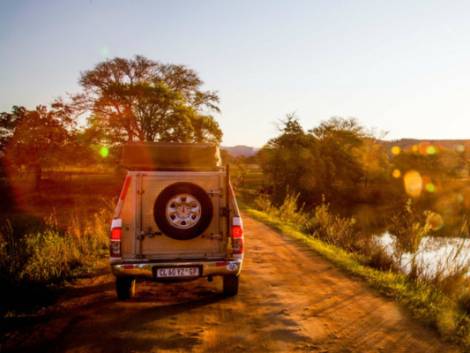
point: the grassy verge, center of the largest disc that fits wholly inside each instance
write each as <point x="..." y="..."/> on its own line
<point x="35" y="263"/>
<point x="425" y="302"/>
<point x="53" y="235"/>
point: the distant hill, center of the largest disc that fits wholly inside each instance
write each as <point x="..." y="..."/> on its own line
<point x="240" y="150"/>
<point x="408" y="143"/>
<point x="404" y="144"/>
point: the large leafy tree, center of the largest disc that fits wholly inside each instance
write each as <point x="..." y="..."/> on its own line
<point x="330" y="160"/>
<point x="290" y="162"/>
<point x="143" y="100"/>
<point x="340" y="141"/>
<point x="34" y="139"/>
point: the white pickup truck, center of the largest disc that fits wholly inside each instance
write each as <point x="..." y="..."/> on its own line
<point x="176" y="219"/>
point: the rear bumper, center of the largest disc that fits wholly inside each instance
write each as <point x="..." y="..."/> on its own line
<point x="146" y="269"/>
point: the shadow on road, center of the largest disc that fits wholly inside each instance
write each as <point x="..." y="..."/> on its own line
<point x="146" y="322"/>
<point x="150" y="321"/>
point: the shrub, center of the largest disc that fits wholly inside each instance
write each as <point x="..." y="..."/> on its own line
<point x="377" y="257"/>
<point x="288" y="211"/>
<point x="409" y="226"/>
<point x="263" y="203"/>
<point x="332" y="228"/>
<point x="52" y="255"/>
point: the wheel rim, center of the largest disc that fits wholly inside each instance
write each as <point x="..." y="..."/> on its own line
<point x="183" y="211"/>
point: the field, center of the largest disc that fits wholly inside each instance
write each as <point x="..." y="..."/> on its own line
<point x="53" y="235"/>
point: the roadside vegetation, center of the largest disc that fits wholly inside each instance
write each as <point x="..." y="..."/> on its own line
<point x="59" y="177"/>
<point x="336" y="186"/>
<point x="44" y="245"/>
<point x="440" y="303"/>
<point x="315" y="185"/>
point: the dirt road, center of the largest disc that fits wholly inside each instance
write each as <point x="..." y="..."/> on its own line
<point x="290" y="301"/>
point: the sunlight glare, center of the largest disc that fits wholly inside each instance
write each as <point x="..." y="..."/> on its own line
<point x="395" y="150"/>
<point x="430" y="187"/>
<point x="104" y="51"/>
<point x="413" y="183"/>
<point x="396" y="173"/>
<point x="104" y="151"/>
<point x="431" y="150"/>
<point x="435" y="221"/>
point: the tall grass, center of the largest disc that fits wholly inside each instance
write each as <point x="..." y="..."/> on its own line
<point x="322" y="224"/>
<point x="288" y="211"/>
<point x="441" y="299"/>
<point x="332" y="228"/>
<point x="50" y="255"/>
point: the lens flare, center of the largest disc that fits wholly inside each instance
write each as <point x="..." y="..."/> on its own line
<point x="104" y="151"/>
<point x="434" y="221"/>
<point x="431" y="150"/>
<point x="395" y="150"/>
<point x="396" y="173"/>
<point x="430" y="187"/>
<point x="460" y="148"/>
<point x="413" y="183"/>
<point x="104" y="51"/>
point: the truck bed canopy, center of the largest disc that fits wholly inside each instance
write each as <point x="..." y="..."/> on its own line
<point x="171" y="156"/>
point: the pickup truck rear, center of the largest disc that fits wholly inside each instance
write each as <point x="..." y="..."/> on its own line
<point x="176" y="218"/>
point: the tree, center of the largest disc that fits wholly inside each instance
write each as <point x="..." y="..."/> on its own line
<point x="339" y="143"/>
<point x="290" y="162"/>
<point x="143" y="100"/>
<point x="34" y="138"/>
<point x="8" y="122"/>
<point x="329" y="160"/>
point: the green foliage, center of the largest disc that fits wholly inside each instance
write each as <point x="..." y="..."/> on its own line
<point x="322" y="224"/>
<point x="409" y="227"/>
<point x="143" y="100"/>
<point x="289" y="161"/>
<point x="433" y="305"/>
<point x="51" y="255"/>
<point x="288" y="211"/>
<point x="34" y="138"/>
<point x="331" y="160"/>
<point x="424" y="163"/>
<point x="125" y="100"/>
<point x="332" y="228"/>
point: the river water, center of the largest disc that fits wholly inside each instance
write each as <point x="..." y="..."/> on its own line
<point x="435" y="254"/>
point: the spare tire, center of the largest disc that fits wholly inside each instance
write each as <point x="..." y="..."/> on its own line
<point x="183" y="211"/>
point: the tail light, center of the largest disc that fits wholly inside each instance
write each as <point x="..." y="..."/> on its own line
<point x="237" y="236"/>
<point x="115" y="241"/>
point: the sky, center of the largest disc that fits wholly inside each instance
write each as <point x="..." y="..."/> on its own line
<point x="399" y="67"/>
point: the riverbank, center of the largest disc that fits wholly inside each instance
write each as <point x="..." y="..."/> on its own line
<point x="426" y="303"/>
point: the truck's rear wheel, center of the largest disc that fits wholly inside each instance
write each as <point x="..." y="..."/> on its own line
<point x="230" y="285"/>
<point x="125" y="287"/>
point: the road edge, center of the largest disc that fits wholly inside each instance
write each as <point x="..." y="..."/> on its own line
<point x="425" y="303"/>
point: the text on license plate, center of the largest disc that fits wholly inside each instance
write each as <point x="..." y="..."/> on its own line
<point x="177" y="272"/>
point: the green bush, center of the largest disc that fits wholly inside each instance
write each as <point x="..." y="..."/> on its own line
<point x="442" y="300"/>
<point x="332" y="228"/>
<point x="288" y="211"/>
<point x="53" y="255"/>
<point x="50" y="257"/>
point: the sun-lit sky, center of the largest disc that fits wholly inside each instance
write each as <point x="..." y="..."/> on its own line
<point x="397" y="66"/>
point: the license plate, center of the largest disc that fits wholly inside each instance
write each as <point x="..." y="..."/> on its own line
<point x="177" y="272"/>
